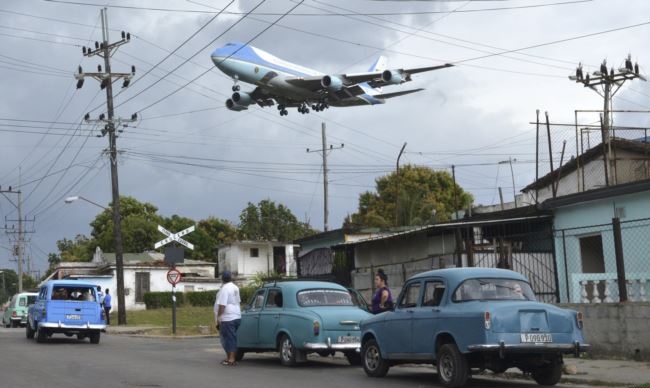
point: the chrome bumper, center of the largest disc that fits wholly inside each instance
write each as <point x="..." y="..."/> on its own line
<point x="575" y="348"/>
<point x="329" y="345"/>
<point x="83" y="326"/>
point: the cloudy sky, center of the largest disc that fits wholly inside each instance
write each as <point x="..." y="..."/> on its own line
<point x="189" y="155"/>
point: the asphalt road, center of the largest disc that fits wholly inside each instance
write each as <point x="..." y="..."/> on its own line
<point x="124" y="361"/>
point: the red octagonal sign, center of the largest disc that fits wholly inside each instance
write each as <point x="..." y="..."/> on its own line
<point x="174" y="276"/>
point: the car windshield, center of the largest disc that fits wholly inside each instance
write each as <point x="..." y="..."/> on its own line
<point x="324" y="297"/>
<point x="493" y="289"/>
<point x="79" y="293"/>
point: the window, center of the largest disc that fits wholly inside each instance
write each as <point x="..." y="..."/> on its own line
<point x="274" y="299"/>
<point x="433" y="291"/>
<point x="410" y="296"/>
<point x="255" y="252"/>
<point x="258" y="300"/>
<point x="324" y="297"/>
<point x="141" y="285"/>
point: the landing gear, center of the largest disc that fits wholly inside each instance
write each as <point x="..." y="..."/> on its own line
<point x="235" y="88"/>
<point x="319" y="107"/>
<point x="283" y="110"/>
<point x="303" y="109"/>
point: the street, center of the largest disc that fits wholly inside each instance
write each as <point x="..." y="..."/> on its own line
<point x="124" y="361"/>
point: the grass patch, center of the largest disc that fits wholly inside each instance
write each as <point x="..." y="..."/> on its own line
<point x="189" y="320"/>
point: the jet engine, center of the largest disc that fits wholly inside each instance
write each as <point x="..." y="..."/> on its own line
<point x="392" y="77"/>
<point x="332" y="83"/>
<point x="242" y="98"/>
<point x="230" y="104"/>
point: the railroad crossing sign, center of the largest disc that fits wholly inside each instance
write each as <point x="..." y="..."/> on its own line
<point x="174" y="276"/>
<point x="174" y="237"/>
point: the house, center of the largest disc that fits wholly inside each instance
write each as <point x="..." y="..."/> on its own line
<point x="519" y="239"/>
<point x="245" y="259"/>
<point x="143" y="272"/>
<point x="585" y="234"/>
<point x="629" y="161"/>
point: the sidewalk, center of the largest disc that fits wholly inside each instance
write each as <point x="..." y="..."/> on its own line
<point x="582" y="371"/>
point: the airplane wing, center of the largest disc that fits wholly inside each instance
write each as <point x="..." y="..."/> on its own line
<point x="343" y="82"/>
<point x="397" y="94"/>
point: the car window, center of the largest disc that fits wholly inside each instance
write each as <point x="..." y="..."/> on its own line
<point x="493" y="289"/>
<point x="324" y="297"/>
<point x="76" y="293"/>
<point x="257" y="301"/>
<point x="410" y="296"/>
<point x="275" y="299"/>
<point x="22" y="302"/>
<point x="433" y="291"/>
<point x="31" y="299"/>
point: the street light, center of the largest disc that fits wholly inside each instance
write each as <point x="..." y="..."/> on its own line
<point x="119" y="263"/>
<point x="512" y="174"/>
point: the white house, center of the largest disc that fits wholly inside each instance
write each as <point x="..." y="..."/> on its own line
<point x="248" y="258"/>
<point x="143" y="272"/>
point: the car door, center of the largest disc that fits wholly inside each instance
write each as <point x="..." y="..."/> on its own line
<point x="425" y="319"/>
<point x="398" y="324"/>
<point x="270" y="318"/>
<point x="248" y="332"/>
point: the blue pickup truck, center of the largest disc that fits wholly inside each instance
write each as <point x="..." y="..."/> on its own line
<point x="68" y="307"/>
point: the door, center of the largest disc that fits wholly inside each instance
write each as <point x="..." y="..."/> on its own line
<point x="398" y="341"/>
<point x="248" y="332"/>
<point x="270" y="318"/>
<point x="425" y="319"/>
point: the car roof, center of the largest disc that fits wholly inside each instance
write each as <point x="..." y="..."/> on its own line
<point x="457" y="275"/>
<point x="70" y="282"/>
<point x="297" y="285"/>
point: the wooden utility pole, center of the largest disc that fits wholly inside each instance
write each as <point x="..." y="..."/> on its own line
<point x="324" y="151"/>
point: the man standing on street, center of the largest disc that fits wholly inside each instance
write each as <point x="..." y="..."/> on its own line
<point x="107" y="307"/>
<point x="227" y="314"/>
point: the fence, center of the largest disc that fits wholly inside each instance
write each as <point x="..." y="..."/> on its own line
<point x="604" y="263"/>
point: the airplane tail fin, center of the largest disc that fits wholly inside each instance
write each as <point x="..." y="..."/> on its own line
<point x="380" y="64"/>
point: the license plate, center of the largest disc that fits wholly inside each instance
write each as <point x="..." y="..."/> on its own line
<point x="348" y="339"/>
<point x="536" y="337"/>
<point x="72" y="316"/>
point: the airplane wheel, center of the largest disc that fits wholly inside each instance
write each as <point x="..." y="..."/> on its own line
<point x="306" y="110"/>
<point x="235" y="88"/>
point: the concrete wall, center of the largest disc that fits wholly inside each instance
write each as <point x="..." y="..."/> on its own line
<point x="616" y="330"/>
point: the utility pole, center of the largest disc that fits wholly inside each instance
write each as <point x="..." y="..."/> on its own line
<point x="106" y="50"/>
<point x="19" y="248"/>
<point x="397" y="185"/>
<point x="610" y="81"/>
<point x="324" y="152"/>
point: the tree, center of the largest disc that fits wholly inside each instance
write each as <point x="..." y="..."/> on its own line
<point x="425" y="196"/>
<point x="271" y="222"/>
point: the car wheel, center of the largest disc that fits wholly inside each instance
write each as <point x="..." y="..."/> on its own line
<point x="81" y="336"/>
<point x="29" y="332"/>
<point x="94" y="337"/>
<point x="41" y="334"/>
<point x="354" y="358"/>
<point x="13" y="324"/>
<point x="239" y="355"/>
<point x="549" y="374"/>
<point x="287" y="351"/>
<point x="452" y="366"/>
<point x="373" y="364"/>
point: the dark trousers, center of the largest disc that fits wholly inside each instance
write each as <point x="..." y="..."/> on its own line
<point x="107" y="310"/>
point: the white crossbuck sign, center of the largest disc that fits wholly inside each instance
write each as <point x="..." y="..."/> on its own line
<point x="174" y="237"/>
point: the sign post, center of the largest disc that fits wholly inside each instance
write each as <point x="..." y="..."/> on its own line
<point x="174" y="276"/>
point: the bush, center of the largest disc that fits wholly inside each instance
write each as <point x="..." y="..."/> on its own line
<point x="156" y="300"/>
<point x="246" y="293"/>
<point x="201" y="298"/>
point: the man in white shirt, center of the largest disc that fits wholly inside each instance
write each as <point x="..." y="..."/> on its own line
<point x="227" y="314"/>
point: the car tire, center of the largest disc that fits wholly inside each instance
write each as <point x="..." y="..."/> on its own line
<point x="452" y="366"/>
<point x="373" y="364"/>
<point x="13" y="324"/>
<point x="40" y="334"/>
<point x="239" y="355"/>
<point x="29" y="332"/>
<point x="354" y="358"/>
<point x="287" y="351"/>
<point x="94" y="337"/>
<point x="81" y="336"/>
<point x="549" y="374"/>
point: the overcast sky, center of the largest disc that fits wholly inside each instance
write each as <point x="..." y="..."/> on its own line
<point x="189" y="155"/>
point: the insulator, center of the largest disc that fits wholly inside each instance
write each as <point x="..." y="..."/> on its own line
<point x="83" y="49"/>
<point x="87" y="116"/>
<point x="80" y="70"/>
<point x="101" y="116"/>
<point x="134" y="116"/>
<point x="128" y="36"/>
<point x="132" y="69"/>
<point x="123" y="35"/>
<point x="636" y="68"/>
<point x="99" y="68"/>
<point x="611" y="72"/>
<point x="96" y="44"/>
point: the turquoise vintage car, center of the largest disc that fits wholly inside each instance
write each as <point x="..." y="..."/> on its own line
<point x="471" y="318"/>
<point x="16" y="312"/>
<point x="295" y="318"/>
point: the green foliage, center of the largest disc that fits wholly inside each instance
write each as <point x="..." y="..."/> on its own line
<point x="271" y="222"/>
<point x="156" y="300"/>
<point x="9" y="284"/>
<point x="201" y="298"/>
<point x="425" y="196"/>
<point x="246" y="293"/>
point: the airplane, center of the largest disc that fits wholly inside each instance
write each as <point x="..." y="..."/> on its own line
<point x="294" y="86"/>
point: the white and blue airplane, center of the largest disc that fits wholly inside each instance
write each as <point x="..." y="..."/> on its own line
<point x="293" y="86"/>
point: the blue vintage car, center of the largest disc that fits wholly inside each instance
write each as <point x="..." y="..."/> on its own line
<point x="471" y="318"/>
<point x="295" y="318"/>
<point x="69" y="307"/>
